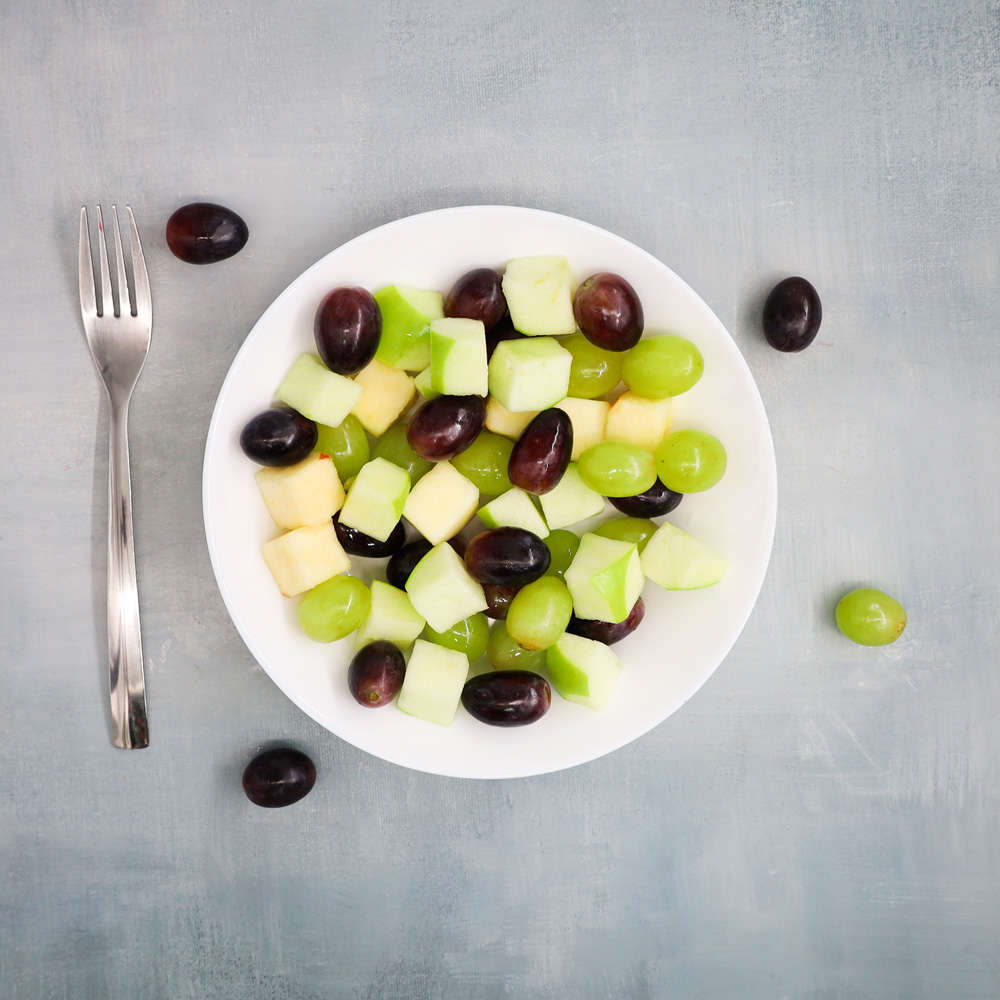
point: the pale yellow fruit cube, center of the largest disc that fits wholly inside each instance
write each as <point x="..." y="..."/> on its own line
<point x="641" y="421"/>
<point x="302" y="559"/>
<point x="442" y="503"/>
<point x="306" y="493"/>
<point x="500" y="420"/>
<point x="387" y="393"/>
<point x="588" y="417"/>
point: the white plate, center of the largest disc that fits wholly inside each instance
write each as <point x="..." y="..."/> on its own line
<point x="684" y="636"/>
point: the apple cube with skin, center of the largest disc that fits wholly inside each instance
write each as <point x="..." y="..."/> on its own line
<point x="422" y="383"/>
<point x="376" y="499"/>
<point x="304" y="557"/>
<point x="514" y="509"/>
<point x="605" y="578"/>
<point x="582" y="670"/>
<point x="458" y="357"/>
<point x="318" y="393"/>
<point x="570" y="501"/>
<point x="442" y="503"/>
<point x="529" y="374"/>
<point x="387" y="393"/>
<point x="676" y="561"/>
<point x="442" y="590"/>
<point x="390" y="617"/>
<point x="588" y="417"/>
<point x="539" y="294"/>
<point x="500" y="420"/>
<point x="641" y="421"/>
<point x="432" y="685"/>
<point x="407" y="314"/>
<point x="306" y="493"/>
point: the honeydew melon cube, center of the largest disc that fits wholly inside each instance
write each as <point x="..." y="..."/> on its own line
<point x="605" y="578"/>
<point x="588" y="417"/>
<point x="442" y="590"/>
<point x="676" y="561"/>
<point x="433" y="682"/>
<point x="422" y="383"/>
<point x="501" y="421"/>
<point x="641" y="421"/>
<point x="407" y="314"/>
<point x="387" y="393"/>
<point x="570" y="501"/>
<point x="529" y="374"/>
<point x="376" y="498"/>
<point x="391" y="617"/>
<point x="306" y="493"/>
<point x="318" y="393"/>
<point x="304" y="557"/>
<point x="582" y="670"/>
<point x="539" y="294"/>
<point x="514" y="509"/>
<point x="458" y="357"/>
<point x="441" y="503"/>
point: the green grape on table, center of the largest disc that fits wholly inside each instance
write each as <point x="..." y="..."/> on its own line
<point x="484" y="463"/>
<point x="506" y="654"/>
<point x="562" y="547"/>
<point x="393" y="447"/>
<point x="870" y="617"/>
<point x="539" y="613"/>
<point x="346" y="444"/>
<point x="469" y="636"/>
<point x="634" y="530"/>
<point x="690" y="461"/>
<point x="658" y="367"/>
<point x="595" y="371"/>
<point x="334" y="608"/>
<point x="617" y="468"/>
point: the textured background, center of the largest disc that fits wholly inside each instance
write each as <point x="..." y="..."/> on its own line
<point x="821" y="820"/>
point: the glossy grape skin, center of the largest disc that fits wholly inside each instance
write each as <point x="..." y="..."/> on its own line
<point x="594" y="371"/>
<point x="357" y="543"/>
<point x="608" y="632"/>
<point x="541" y="454"/>
<point x="506" y="557"/>
<point x="562" y="545"/>
<point x="278" y="437"/>
<point x="203" y="233"/>
<point x="334" y="608"/>
<point x="870" y="617"/>
<point x="617" y="468"/>
<point x="690" y="461"/>
<point x="484" y="463"/>
<point x="279" y="777"/>
<point x="445" y="426"/>
<point x="347" y="328"/>
<point x="347" y="444"/>
<point x="507" y="698"/>
<point x="400" y="566"/>
<point x="792" y="315"/>
<point x="658" y="367"/>
<point x="478" y="294"/>
<point x="654" y="502"/>
<point x="539" y="613"/>
<point x="394" y="446"/>
<point x="634" y="530"/>
<point x="608" y="311"/>
<point x="504" y="330"/>
<point x="469" y="636"/>
<point x="498" y="600"/>
<point x="506" y="654"/>
<point x="376" y="673"/>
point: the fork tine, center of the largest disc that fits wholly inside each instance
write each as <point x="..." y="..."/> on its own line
<point x="143" y="300"/>
<point x="107" y="302"/>
<point x="124" y="303"/>
<point x="88" y="301"/>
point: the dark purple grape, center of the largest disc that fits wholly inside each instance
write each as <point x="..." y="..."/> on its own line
<point x="792" y="314"/>
<point x="498" y="600"/>
<point x="347" y="329"/>
<point x="608" y="632"/>
<point x="357" y="543"/>
<point x="478" y="295"/>
<point x="202" y="233"/>
<point x="445" y="426"/>
<point x="376" y="673"/>
<point x="506" y="557"/>
<point x="507" y="697"/>
<point x="608" y="311"/>
<point x="657" y="500"/>
<point x="278" y="437"/>
<point x="542" y="452"/>
<point x="400" y="566"/>
<point x="279" y="777"/>
<point x="504" y="330"/>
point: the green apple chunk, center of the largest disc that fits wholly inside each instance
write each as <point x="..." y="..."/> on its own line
<point x="605" y="578"/>
<point x="432" y="685"/>
<point x="529" y="374"/>
<point x="391" y="617"/>
<point x="570" y="501"/>
<point x="458" y="357"/>
<point x="514" y="509"/>
<point x="376" y="499"/>
<point x="407" y="314"/>
<point x="582" y="670"/>
<point x="422" y="383"/>
<point x="442" y="590"/>
<point x="318" y="393"/>
<point x="539" y="294"/>
<point x="676" y="561"/>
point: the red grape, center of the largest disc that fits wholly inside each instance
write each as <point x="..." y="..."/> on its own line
<point x="445" y="426"/>
<point x="608" y="312"/>
<point x="203" y="233"/>
<point x="542" y="452"/>
<point x="347" y="329"/>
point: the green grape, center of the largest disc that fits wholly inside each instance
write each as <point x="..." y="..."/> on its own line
<point x="662" y="366"/>
<point x="539" y="613"/>
<point x="484" y="463"/>
<point x="468" y="636"/>
<point x="870" y="617"/>
<point x="347" y="445"/>
<point x="393" y="447"/>
<point x="690" y="461"/>
<point x="505" y="654"/>
<point x="617" y="468"/>
<point x="562" y="547"/>
<point x="334" y="608"/>
<point x="636" y="530"/>
<point x="595" y="371"/>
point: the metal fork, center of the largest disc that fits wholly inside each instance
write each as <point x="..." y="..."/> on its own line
<point x="119" y="341"/>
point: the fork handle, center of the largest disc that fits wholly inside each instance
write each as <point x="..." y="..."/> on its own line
<point x="128" y="690"/>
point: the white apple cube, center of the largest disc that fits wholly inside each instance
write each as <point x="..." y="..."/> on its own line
<point x="318" y="393"/>
<point x="640" y="421"/>
<point x="582" y="670"/>
<point x="376" y="498"/>
<point x="387" y="393"/>
<point x="529" y="374"/>
<point x="458" y="357"/>
<point x="514" y="509"/>
<point x="432" y="685"/>
<point x="407" y="314"/>
<point x="570" y="501"/>
<point x="500" y="420"/>
<point x="676" y="561"/>
<point x="303" y="558"/>
<point x="441" y="503"/>
<point x="306" y="493"/>
<point x="539" y="294"/>
<point x="442" y="590"/>
<point x="588" y="417"/>
<point x="605" y="578"/>
<point x="390" y="617"/>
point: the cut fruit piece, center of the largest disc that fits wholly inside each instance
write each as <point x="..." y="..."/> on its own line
<point x="514" y="509"/>
<point x="307" y="493"/>
<point x="529" y="374"/>
<point x="582" y="670"/>
<point x="441" y="504"/>
<point x="376" y="499"/>
<point x="433" y="683"/>
<point x="407" y="314"/>
<point x="539" y="294"/>
<point x="442" y="590"/>
<point x="570" y="501"/>
<point x="676" y="561"/>
<point x="318" y="393"/>
<point x="500" y="420"/>
<point x="390" y="617"/>
<point x="387" y="393"/>
<point x="605" y="578"/>
<point x="422" y="383"/>
<point x="458" y="357"/>
<point x="588" y="417"/>
<point x="303" y="558"/>
<point x="641" y="421"/>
